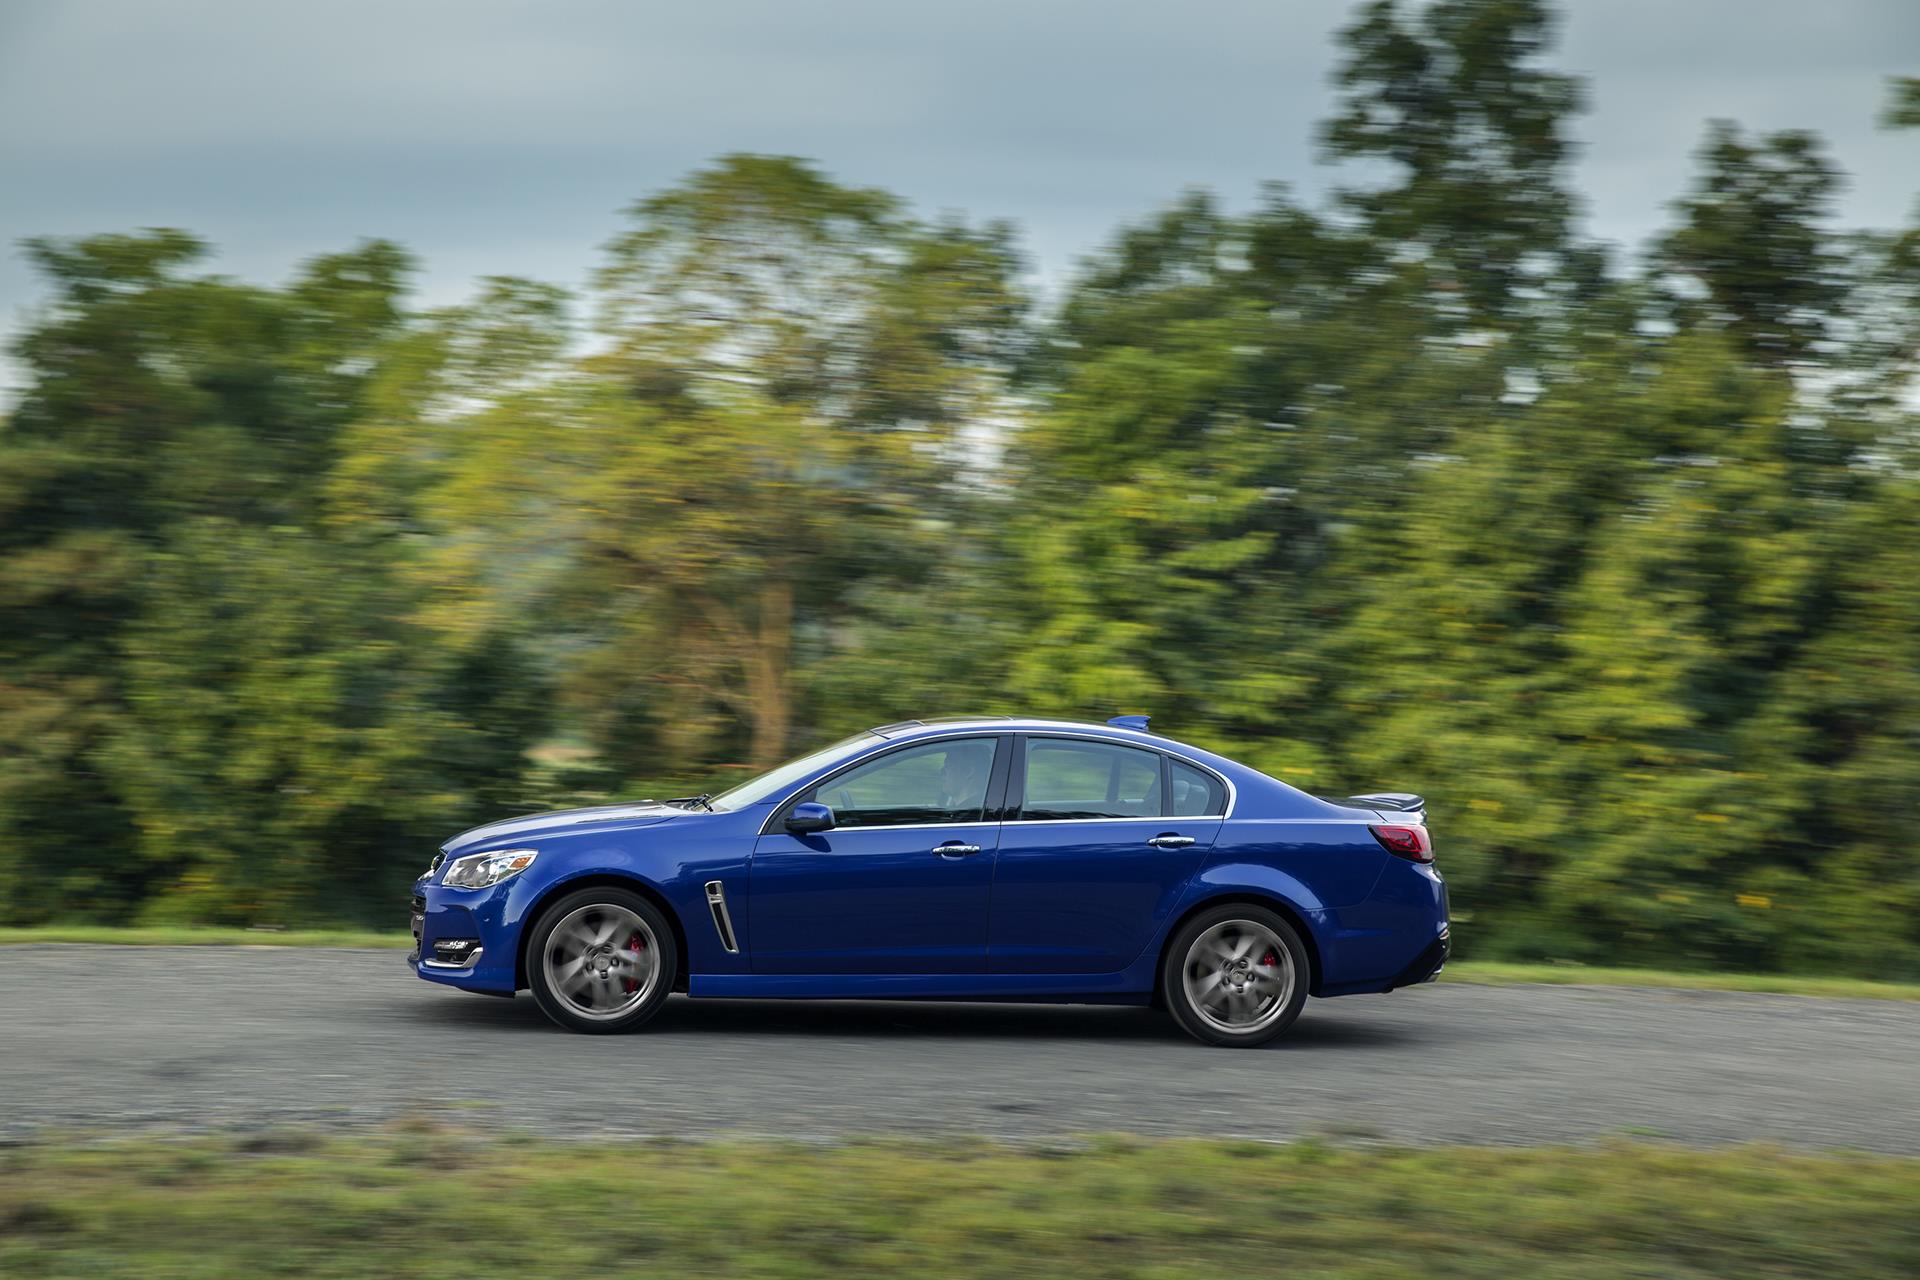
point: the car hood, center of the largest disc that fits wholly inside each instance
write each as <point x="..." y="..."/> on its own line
<point x="645" y="813"/>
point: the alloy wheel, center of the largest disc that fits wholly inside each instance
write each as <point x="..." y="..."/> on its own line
<point x="1239" y="976"/>
<point x="602" y="960"/>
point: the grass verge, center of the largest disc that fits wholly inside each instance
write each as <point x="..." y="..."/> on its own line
<point x="1484" y="973"/>
<point x="1489" y="973"/>
<point x="433" y="1202"/>
<point x="202" y="936"/>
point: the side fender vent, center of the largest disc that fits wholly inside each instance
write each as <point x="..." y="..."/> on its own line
<point x="722" y="922"/>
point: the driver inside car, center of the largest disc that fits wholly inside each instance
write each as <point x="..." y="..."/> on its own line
<point x="963" y="781"/>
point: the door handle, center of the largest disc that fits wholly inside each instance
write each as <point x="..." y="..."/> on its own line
<point x="954" y="849"/>
<point x="1171" y="842"/>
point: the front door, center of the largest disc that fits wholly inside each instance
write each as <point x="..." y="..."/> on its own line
<point x="902" y="881"/>
<point x="1104" y="838"/>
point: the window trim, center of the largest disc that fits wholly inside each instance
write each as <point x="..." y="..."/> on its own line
<point x="1005" y="779"/>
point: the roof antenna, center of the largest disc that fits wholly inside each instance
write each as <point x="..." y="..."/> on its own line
<point x="1130" y="722"/>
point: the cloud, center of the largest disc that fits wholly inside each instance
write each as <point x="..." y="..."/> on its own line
<point x="496" y="137"/>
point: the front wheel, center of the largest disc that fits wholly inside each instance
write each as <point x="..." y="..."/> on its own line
<point x="1235" y="975"/>
<point x="601" y="960"/>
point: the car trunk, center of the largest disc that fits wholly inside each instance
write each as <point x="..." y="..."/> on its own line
<point x="1394" y="806"/>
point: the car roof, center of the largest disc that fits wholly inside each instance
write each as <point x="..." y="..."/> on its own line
<point x="1003" y="724"/>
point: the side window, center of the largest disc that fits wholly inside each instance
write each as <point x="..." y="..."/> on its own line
<point x="1194" y="792"/>
<point x="942" y="781"/>
<point x="1068" y="778"/>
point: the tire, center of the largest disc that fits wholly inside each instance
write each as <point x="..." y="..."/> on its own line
<point x="601" y="960"/>
<point x="1235" y="975"/>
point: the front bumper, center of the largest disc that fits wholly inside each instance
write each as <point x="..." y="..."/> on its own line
<point x="417" y="922"/>
<point x="459" y="939"/>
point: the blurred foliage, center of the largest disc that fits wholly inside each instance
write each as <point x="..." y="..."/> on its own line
<point x="1618" y="564"/>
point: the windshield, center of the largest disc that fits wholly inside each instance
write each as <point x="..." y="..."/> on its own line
<point x="754" y="790"/>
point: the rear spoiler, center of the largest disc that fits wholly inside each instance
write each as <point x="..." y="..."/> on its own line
<point x="1393" y="803"/>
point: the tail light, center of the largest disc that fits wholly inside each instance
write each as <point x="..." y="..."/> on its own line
<point x="1411" y="843"/>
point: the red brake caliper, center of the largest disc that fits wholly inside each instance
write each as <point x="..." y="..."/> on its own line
<point x="1270" y="959"/>
<point x="635" y="945"/>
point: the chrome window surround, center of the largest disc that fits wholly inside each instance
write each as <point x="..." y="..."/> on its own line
<point x="1233" y="792"/>
<point x="978" y="730"/>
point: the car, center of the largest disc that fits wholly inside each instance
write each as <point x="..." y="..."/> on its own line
<point x="973" y="858"/>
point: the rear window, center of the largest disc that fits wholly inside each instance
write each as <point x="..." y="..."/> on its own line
<point x="1068" y="779"/>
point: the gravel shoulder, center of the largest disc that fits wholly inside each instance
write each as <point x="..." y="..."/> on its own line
<point x="111" y="1040"/>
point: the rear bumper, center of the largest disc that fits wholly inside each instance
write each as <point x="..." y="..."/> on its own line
<point x="1399" y="937"/>
<point x="1427" y="965"/>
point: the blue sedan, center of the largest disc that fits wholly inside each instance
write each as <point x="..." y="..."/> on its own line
<point x="978" y="859"/>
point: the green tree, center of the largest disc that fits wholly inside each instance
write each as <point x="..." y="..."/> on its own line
<point x="153" y="394"/>
<point x="1140" y="521"/>
<point x="797" y="378"/>
<point x="1903" y="103"/>
<point x="1452" y="95"/>
<point x="1752" y="241"/>
<point x="203" y="689"/>
<point x="293" y="747"/>
<point x="1411" y="490"/>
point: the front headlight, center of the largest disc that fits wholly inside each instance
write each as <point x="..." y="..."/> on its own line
<point x="478" y="870"/>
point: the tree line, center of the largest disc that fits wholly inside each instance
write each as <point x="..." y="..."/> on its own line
<point x="1613" y="556"/>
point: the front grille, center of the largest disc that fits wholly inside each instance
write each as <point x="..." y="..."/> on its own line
<point x="418" y="923"/>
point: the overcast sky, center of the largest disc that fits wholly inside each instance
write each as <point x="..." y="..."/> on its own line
<point x="498" y="138"/>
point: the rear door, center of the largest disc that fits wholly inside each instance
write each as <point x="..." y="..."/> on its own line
<point x="901" y="882"/>
<point x="1101" y="838"/>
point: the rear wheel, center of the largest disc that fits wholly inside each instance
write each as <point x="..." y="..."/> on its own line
<point x="601" y="960"/>
<point x="1235" y="975"/>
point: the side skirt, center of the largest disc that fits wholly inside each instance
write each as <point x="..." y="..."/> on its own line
<point x="1066" y="988"/>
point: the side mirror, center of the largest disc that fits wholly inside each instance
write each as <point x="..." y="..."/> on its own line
<point x="810" y="817"/>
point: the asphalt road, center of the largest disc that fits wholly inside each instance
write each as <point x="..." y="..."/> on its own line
<point x="102" y="1040"/>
